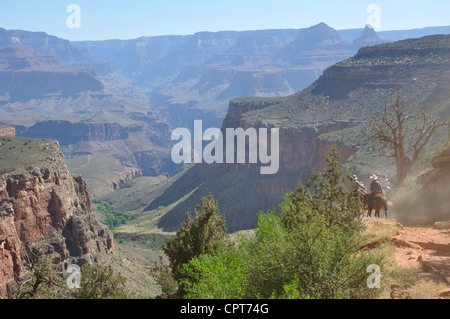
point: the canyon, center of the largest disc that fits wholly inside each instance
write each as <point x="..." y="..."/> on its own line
<point x="128" y="112"/>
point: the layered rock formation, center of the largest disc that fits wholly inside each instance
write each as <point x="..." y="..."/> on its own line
<point x="43" y="206"/>
<point x="196" y="76"/>
<point x="43" y="44"/>
<point x="25" y="75"/>
<point x="45" y="98"/>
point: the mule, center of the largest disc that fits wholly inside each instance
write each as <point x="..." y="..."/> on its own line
<point x="377" y="202"/>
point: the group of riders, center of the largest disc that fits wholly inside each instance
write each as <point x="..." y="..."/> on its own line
<point x="372" y="198"/>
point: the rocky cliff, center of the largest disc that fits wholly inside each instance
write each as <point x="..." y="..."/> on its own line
<point x="439" y="177"/>
<point x="43" y="206"/>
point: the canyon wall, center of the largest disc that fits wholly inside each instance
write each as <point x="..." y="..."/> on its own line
<point x="43" y="207"/>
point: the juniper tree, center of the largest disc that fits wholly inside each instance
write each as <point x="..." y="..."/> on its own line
<point x="203" y="233"/>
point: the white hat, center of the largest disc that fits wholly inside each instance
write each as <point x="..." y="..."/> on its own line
<point x="374" y="177"/>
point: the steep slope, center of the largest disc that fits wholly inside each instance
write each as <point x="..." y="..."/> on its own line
<point x="43" y="206"/>
<point x="102" y="174"/>
<point x="334" y="109"/>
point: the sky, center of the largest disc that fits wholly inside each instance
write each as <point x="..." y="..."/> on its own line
<point x="78" y="20"/>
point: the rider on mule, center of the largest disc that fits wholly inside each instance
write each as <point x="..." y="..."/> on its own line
<point x="376" y="194"/>
<point x="356" y="187"/>
<point x="375" y="186"/>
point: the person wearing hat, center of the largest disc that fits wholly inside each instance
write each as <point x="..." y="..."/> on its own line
<point x="375" y="186"/>
<point x="355" y="186"/>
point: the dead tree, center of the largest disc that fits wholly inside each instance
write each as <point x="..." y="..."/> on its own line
<point x="397" y="131"/>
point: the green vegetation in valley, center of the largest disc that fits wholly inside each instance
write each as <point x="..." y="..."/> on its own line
<point x="113" y="217"/>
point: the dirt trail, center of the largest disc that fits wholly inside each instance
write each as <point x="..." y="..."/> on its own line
<point x="426" y="250"/>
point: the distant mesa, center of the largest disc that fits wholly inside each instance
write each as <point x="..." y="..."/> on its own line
<point x="320" y="34"/>
<point x="40" y="43"/>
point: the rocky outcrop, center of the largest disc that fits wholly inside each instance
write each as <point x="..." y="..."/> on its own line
<point x="7" y="130"/>
<point x="300" y="148"/>
<point x="238" y="107"/>
<point x="438" y="178"/>
<point x="43" y="206"/>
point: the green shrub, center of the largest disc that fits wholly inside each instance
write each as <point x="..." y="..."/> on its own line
<point x="205" y="233"/>
<point x="220" y="276"/>
<point x="307" y="247"/>
<point x="100" y="282"/>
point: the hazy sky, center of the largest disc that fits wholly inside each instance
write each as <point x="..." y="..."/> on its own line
<point x="126" y="19"/>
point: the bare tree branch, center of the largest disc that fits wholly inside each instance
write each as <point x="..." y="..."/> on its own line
<point x="391" y="130"/>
